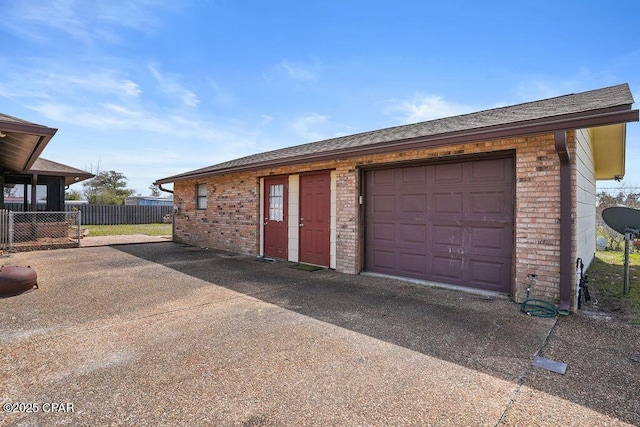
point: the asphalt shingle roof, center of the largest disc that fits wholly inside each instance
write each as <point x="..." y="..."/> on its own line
<point x="565" y="105"/>
<point x="49" y="167"/>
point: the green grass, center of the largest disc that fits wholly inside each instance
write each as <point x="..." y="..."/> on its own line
<point x="606" y="284"/>
<point x="119" y="230"/>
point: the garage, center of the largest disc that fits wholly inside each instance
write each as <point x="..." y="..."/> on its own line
<point x="448" y="222"/>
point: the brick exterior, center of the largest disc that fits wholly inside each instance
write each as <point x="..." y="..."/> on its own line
<point x="231" y="220"/>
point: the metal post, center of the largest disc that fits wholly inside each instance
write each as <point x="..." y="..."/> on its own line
<point x="79" y="226"/>
<point x="627" y="240"/>
<point x="11" y="230"/>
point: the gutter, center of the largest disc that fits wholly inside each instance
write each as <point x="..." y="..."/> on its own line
<point x="566" y="275"/>
<point x="163" y="189"/>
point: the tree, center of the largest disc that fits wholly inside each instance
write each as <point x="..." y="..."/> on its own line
<point x="155" y="190"/>
<point x="107" y="188"/>
<point x="72" y="195"/>
<point x="624" y="196"/>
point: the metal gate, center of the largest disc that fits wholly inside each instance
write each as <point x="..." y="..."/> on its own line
<point x="4" y="229"/>
<point x="39" y="230"/>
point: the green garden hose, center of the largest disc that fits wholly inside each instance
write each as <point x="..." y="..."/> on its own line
<point x="538" y="308"/>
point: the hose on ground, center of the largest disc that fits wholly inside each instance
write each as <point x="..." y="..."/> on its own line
<point x="538" y="308"/>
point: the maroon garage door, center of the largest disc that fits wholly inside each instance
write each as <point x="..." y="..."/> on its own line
<point x="450" y="223"/>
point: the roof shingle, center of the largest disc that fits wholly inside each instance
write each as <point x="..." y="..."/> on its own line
<point x="561" y="106"/>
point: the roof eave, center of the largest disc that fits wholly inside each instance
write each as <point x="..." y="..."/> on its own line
<point x="43" y="133"/>
<point x="622" y="114"/>
<point x="608" y="147"/>
<point x="28" y="128"/>
<point x="36" y="151"/>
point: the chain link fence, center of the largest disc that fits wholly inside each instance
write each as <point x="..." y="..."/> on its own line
<point x="22" y="231"/>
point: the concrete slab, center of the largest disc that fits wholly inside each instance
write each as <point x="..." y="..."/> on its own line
<point x="162" y="334"/>
<point x="125" y="239"/>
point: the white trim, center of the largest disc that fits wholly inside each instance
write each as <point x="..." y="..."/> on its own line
<point x="260" y="204"/>
<point x="294" y="215"/>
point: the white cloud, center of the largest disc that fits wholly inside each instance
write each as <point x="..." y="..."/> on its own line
<point x="423" y="107"/>
<point x="169" y="85"/>
<point x="49" y="81"/>
<point x="536" y="87"/>
<point x="87" y="22"/>
<point x="306" y="126"/>
<point x="219" y="95"/>
<point x="298" y="71"/>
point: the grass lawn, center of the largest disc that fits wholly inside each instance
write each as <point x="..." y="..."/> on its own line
<point x="119" y="230"/>
<point x="606" y="285"/>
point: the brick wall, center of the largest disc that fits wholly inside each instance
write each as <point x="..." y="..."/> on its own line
<point x="231" y="219"/>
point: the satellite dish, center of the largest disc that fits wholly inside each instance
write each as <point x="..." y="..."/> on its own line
<point x="625" y="221"/>
<point x="622" y="219"/>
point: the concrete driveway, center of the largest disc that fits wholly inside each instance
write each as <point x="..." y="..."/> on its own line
<point x="164" y="334"/>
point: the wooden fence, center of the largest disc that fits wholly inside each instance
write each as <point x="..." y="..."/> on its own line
<point x="121" y="214"/>
<point x="112" y="214"/>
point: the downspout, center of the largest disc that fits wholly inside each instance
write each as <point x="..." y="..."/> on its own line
<point x="566" y="274"/>
<point x="164" y="189"/>
<point x="173" y="216"/>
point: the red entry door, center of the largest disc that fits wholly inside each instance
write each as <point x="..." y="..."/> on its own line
<point x="315" y="202"/>
<point x="276" y="216"/>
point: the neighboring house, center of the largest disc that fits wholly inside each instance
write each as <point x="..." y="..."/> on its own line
<point x="148" y="201"/>
<point x="495" y="200"/>
<point x="37" y="183"/>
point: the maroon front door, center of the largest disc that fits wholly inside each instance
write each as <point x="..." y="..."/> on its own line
<point x="315" y="202"/>
<point x="276" y="217"/>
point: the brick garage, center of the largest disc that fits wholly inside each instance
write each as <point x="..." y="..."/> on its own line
<point x="555" y="145"/>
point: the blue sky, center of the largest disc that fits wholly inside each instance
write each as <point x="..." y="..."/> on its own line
<point x="151" y="88"/>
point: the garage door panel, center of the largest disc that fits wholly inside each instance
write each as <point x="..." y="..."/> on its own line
<point x="448" y="173"/>
<point x="384" y="204"/>
<point x="414" y="175"/>
<point x="383" y="261"/>
<point x="488" y="274"/>
<point x="447" y="203"/>
<point x="447" y="269"/>
<point x="450" y="223"/>
<point x="413" y="264"/>
<point x="490" y="239"/>
<point x="413" y="204"/>
<point x="413" y="234"/>
<point x="383" y="232"/>
<point x="491" y="171"/>
<point x="446" y="236"/>
<point x="488" y="203"/>
<point x="383" y="177"/>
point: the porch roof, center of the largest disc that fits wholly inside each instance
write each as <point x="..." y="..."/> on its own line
<point x="48" y="167"/>
<point x="21" y="143"/>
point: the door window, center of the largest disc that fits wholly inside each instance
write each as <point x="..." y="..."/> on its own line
<point x="276" y="202"/>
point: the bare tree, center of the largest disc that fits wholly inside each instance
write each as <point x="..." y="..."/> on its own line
<point x="155" y="190"/>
